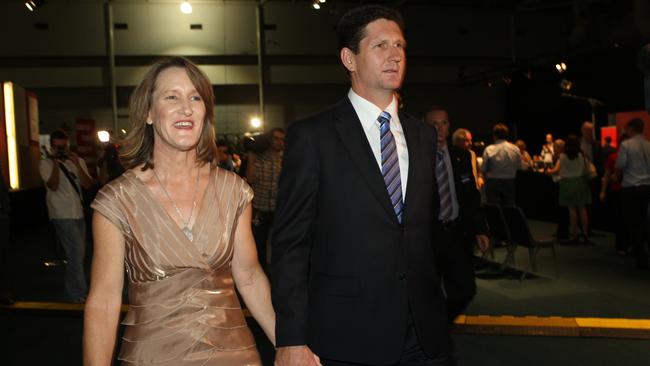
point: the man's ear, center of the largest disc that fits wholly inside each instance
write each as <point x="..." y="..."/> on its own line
<point x="348" y="59"/>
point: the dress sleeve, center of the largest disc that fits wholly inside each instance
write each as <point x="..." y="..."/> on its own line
<point x="245" y="198"/>
<point x="108" y="204"/>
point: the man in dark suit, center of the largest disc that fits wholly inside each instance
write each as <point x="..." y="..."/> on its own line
<point x="460" y="222"/>
<point x="354" y="276"/>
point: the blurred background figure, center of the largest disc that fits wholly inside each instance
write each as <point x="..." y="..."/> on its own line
<point x="224" y="156"/>
<point x="462" y="138"/>
<point x="109" y="164"/>
<point x="633" y="161"/>
<point x="548" y="154"/>
<point x="501" y="161"/>
<point x="263" y="173"/>
<point x="610" y="195"/>
<point x="65" y="174"/>
<point x="526" y="159"/>
<point x="574" y="192"/>
<point x="461" y="222"/>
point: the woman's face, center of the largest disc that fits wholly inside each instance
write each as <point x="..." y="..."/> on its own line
<point x="177" y="110"/>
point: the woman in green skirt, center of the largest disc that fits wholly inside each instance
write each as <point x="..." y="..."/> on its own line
<point x="575" y="193"/>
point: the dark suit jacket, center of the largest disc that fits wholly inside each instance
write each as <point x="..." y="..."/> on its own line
<point x="345" y="271"/>
<point x="469" y="198"/>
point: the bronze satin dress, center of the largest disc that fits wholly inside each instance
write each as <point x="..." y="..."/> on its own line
<point x="183" y="306"/>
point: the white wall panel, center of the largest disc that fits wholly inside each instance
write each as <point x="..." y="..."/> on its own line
<point x="170" y="32"/>
<point x="300" y="29"/>
<point x="136" y="39"/>
<point x="74" y="29"/>
<point x="240" y="29"/>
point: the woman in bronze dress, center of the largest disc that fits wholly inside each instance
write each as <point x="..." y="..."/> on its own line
<point x="180" y="227"/>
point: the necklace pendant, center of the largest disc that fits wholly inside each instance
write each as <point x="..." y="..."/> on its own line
<point x="188" y="233"/>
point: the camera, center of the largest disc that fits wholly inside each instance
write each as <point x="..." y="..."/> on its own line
<point x="61" y="154"/>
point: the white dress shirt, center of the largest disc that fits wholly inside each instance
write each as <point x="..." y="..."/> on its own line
<point x="368" y="114"/>
<point x="634" y="161"/>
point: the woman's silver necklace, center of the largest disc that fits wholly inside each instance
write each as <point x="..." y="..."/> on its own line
<point x="186" y="230"/>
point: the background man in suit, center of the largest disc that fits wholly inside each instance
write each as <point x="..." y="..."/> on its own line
<point x="354" y="277"/>
<point x="460" y="222"/>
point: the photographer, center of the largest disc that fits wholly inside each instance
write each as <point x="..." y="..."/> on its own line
<point x="64" y="174"/>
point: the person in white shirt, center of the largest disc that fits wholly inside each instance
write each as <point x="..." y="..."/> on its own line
<point x="634" y="162"/>
<point x="65" y="174"/>
<point x="548" y="153"/>
<point x="501" y="161"/>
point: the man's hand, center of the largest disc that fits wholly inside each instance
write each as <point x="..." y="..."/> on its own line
<point x="483" y="242"/>
<point x="296" y="356"/>
<point x="74" y="158"/>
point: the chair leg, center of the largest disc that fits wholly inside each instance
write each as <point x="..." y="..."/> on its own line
<point x="557" y="274"/>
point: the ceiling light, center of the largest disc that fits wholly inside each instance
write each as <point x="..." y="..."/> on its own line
<point x="31" y="5"/>
<point x="186" y="7"/>
<point x="256" y="122"/>
<point x="322" y="1"/>
<point x="103" y="136"/>
<point x="561" y="67"/>
<point x="316" y="6"/>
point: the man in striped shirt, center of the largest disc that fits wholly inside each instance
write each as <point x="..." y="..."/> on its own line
<point x="262" y="174"/>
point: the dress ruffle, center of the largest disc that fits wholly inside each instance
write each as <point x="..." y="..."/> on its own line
<point x="196" y="325"/>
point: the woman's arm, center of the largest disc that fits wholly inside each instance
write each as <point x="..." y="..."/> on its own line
<point x="554" y="169"/>
<point x="102" y="310"/>
<point x="250" y="278"/>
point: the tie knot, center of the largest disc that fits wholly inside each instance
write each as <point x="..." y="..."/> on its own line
<point x="384" y="117"/>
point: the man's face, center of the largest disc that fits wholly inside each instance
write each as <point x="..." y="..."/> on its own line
<point x="277" y="141"/>
<point x="60" y="147"/>
<point x="549" y="139"/>
<point x="440" y="120"/>
<point x="465" y="142"/>
<point x="378" y="68"/>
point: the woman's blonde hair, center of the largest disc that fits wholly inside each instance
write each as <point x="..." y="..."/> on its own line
<point x="137" y="146"/>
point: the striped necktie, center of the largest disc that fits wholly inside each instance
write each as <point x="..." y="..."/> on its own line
<point x="444" y="191"/>
<point x="390" y="164"/>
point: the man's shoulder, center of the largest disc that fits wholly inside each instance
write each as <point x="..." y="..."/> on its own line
<point x="457" y="151"/>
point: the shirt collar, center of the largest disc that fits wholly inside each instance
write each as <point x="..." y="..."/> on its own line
<point x="369" y="112"/>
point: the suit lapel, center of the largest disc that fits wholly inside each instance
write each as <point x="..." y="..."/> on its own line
<point x="412" y="143"/>
<point x="355" y="142"/>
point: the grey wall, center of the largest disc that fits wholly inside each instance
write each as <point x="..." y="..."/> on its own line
<point x="66" y="65"/>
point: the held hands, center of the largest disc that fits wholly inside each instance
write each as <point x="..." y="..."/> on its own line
<point x="296" y="356"/>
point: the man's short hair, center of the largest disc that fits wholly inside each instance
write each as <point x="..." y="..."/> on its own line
<point x="635" y="125"/>
<point x="435" y="108"/>
<point x="58" y="135"/>
<point x="459" y="134"/>
<point x="500" y="131"/>
<point x="351" y="28"/>
<point x="277" y="129"/>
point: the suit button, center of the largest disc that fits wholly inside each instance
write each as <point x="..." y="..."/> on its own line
<point x="402" y="276"/>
